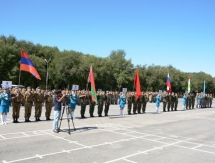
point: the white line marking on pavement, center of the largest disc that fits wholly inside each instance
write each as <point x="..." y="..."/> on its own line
<point x="141" y="152"/>
<point x="197" y="146"/>
<point x="38" y="156"/>
<point x="129" y="160"/>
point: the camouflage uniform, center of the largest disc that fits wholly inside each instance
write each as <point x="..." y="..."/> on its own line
<point x="83" y="100"/>
<point x="129" y="99"/>
<point x="92" y="105"/>
<point x="176" y="102"/>
<point x="100" y="98"/>
<point x="188" y="105"/>
<point x="134" y="101"/>
<point x="29" y="98"/>
<point x="107" y="103"/>
<point x="39" y="99"/>
<point x="49" y="105"/>
<point x="164" y="96"/>
<point x="192" y="101"/>
<point x="145" y="100"/>
<point x="172" y="102"/>
<point x="139" y="104"/>
<point x="16" y="102"/>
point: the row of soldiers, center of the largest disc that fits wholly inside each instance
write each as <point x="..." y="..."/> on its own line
<point x="38" y="97"/>
<point x="30" y="98"/>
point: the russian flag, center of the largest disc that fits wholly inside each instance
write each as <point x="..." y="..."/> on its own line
<point x="168" y="84"/>
<point x="27" y="65"/>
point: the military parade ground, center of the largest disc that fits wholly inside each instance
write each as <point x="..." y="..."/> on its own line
<point x="179" y="136"/>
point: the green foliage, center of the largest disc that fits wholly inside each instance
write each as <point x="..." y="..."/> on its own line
<point x="111" y="73"/>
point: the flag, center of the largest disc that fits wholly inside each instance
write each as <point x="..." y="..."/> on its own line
<point x="168" y="84"/>
<point x="27" y="65"/>
<point x="188" y="90"/>
<point x="137" y="83"/>
<point x="93" y="88"/>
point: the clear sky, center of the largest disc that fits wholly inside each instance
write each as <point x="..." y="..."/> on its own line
<point x="160" y="32"/>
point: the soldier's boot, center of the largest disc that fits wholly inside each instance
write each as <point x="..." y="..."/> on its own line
<point x="17" y="120"/>
<point x="82" y="116"/>
<point x="47" y="118"/>
<point x="14" y="120"/>
<point x="91" y="115"/>
<point x="38" y="119"/>
<point x="26" y="120"/>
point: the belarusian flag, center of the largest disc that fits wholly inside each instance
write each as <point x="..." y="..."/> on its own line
<point x="93" y="88"/>
<point x="188" y="85"/>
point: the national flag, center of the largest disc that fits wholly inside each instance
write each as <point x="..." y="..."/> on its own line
<point x="168" y="84"/>
<point x="137" y="83"/>
<point x="93" y="88"/>
<point x="27" y="65"/>
<point x="188" y="90"/>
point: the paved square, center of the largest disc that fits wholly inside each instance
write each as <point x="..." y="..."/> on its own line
<point x="182" y="136"/>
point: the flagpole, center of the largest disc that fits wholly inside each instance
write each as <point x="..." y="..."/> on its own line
<point x="19" y="68"/>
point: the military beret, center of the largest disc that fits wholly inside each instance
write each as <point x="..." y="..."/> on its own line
<point x="107" y="91"/>
<point x="4" y="88"/>
<point x="28" y="87"/>
<point x="38" y="87"/>
<point x="16" y="87"/>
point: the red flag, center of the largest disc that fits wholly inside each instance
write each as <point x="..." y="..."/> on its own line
<point x="93" y="87"/>
<point x="27" y="65"/>
<point x="137" y="83"/>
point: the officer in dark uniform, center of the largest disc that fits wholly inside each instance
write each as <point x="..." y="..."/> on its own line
<point x="100" y="98"/>
<point x="134" y="101"/>
<point x="164" y="97"/>
<point x="129" y="100"/>
<point x="107" y="102"/>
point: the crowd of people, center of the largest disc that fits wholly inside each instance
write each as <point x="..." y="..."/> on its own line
<point x="135" y="104"/>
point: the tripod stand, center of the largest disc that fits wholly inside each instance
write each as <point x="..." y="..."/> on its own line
<point x="68" y="118"/>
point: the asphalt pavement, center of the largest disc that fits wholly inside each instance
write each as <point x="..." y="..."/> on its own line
<point x="170" y="137"/>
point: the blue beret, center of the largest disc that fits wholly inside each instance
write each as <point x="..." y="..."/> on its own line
<point x="4" y="88"/>
<point x="16" y="87"/>
<point x="28" y="87"/>
<point x="107" y="91"/>
<point x="38" y="87"/>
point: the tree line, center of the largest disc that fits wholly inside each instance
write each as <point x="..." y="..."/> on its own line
<point x="70" y="67"/>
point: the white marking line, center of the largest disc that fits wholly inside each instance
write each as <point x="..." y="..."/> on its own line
<point x="25" y="134"/>
<point x="129" y="160"/>
<point x="3" y="137"/>
<point x="69" y="141"/>
<point x="167" y="138"/>
<point x="122" y="158"/>
<point x="197" y="146"/>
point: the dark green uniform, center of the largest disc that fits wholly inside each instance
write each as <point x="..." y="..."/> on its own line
<point x="100" y="99"/>
<point x="129" y="100"/>
<point x="83" y="100"/>
<point x="107" y="103"/>
<point x="139" y="104"/>
<point x="192" y="100"/>
<point x="145" y="99"/>
<point x="176" y="102"/>
<point x="168" y="102"/>
<point x="164" y="96"/>
<point x="188" y="105"/>
<point x="172" y="102"/>
<point x="134" y="101"/>
<point x="92" y="105"/>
